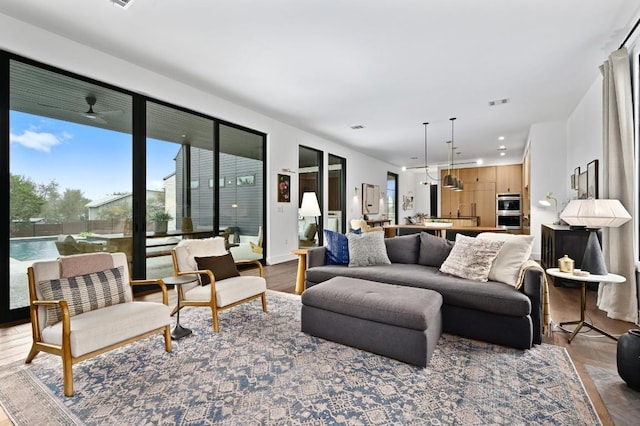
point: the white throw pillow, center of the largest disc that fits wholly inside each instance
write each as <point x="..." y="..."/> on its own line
<point x="202" y="248"/>
<point x="367" y="249"/>
<point x="471" y="258"/>
<point x="515" y="251"/>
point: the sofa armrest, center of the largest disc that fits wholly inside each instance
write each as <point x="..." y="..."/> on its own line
<point x="316" y="257"/>
<point x="532" y="286"/>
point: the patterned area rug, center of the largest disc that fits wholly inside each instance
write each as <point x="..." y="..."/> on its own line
<point x="261" y="369"/>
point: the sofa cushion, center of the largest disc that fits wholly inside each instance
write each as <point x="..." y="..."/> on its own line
<point x="223" y="267"/>
<point x="367" y="249"/>
<point x="404" y="249"/>
<point x="433" y="250"/>
<point x="337" y="248"/>
<point x="471" y="258"/>
<point x="401" y="306"/>
<point x="515" y="251"/>
<point x="493" y="297"/>
<point x="84" y="293"/>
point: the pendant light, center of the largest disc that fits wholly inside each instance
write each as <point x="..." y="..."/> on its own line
<point x="426" y="166"/>
<point x="459" y="187"/>
<point x="449" y="181"/>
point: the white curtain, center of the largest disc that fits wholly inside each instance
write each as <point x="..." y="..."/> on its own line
<point x="620" y="301"/>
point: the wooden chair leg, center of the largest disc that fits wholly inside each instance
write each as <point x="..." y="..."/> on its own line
<point x="167" y="339"/>
<point x="214" y="316"/>
<point x="264" y="302"/>
<point x="176" y="309"/>
<point x="67" y="374"/>
<point x="32" y="354"/>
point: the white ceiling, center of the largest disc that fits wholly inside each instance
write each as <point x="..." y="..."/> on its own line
<point x="326" y="65"/>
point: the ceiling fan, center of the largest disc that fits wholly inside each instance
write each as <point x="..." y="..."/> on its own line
<point x="90" y="114"/>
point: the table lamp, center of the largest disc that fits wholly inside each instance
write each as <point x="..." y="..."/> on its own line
<point x="594" y="214"/>
<point x="546" y="201"/>
<point x="310" y="206"/>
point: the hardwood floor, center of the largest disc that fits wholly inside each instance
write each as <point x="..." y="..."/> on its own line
<point x="586" y="349"/>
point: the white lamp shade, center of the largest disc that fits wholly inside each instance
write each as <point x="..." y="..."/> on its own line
<point x="545" y="203"/>
<point x="310" y="206"/>
<point x="595" y="213"/>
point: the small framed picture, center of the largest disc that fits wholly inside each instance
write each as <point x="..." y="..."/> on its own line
<point x="284" y="188"/>
<point x="592" y="179"/>
<point x="582" y="185"/>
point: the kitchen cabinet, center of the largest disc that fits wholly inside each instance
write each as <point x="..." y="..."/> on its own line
<point x="509" y="179"/>
<point x="479" y="199"/>
<point x="478" y="174"/>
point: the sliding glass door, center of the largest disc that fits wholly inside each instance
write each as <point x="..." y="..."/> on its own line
<point x="70" y="157"/>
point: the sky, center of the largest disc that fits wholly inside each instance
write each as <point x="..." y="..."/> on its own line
<point x="77" y="156"/>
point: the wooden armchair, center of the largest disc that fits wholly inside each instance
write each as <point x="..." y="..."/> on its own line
<point x="76" y="324"/>
<point x="220" y="286"/>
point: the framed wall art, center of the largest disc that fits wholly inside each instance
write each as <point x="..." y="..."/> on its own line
<point x="592" y="179"/>
<point x="582" y="185"/>
<point x="284" y="188"/>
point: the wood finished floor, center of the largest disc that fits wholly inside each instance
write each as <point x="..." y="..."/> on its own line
<point x="586" y="349"/>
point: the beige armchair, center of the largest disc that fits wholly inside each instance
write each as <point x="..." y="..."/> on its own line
<point x="82" y="306"/>
<point x="212" y="290"/>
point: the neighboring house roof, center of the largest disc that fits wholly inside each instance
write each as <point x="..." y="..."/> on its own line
<point x="107" y="200"/>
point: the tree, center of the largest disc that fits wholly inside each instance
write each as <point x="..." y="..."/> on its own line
<point x="24" y="200"/>
<point x="50" y="211"/>
<point x="72" y="205"/>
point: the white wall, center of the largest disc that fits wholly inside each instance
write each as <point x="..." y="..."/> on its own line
<point x="548" y="174"/>
<point x="282" y="141"/>
<point x="584" y="133"/>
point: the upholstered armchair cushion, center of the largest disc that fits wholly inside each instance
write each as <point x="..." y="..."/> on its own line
<point x="188" y="250"/>
<point x="230" y="290"/>
<point x="100" y="328"/>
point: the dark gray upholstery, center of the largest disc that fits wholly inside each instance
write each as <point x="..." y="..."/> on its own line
<point x="404" y="249"/>
<point x="433" y="250"/>
<point x="490" y="311"/>
<point x="398" y="322"/>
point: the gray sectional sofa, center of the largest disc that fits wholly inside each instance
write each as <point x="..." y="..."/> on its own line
<point x="491" y="311"/>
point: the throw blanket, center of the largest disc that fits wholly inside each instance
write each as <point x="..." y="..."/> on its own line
<point x="546" y="313"/>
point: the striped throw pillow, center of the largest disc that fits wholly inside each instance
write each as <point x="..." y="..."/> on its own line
<point x="84" y="293"/>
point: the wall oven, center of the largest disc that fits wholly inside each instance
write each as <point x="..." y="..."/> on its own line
<point x="509" y="211"/>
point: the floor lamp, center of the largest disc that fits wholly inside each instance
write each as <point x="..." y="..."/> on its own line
<point x="595" y="214"/>
<point x="310" y="206"/>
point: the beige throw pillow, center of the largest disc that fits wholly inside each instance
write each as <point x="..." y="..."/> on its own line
<point x="515" y="251"/>
<point x="471" y="258"/>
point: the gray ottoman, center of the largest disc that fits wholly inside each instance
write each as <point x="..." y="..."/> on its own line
<point x="395" y="321"/>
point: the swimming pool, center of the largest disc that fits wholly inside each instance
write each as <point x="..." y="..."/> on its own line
<point x="33" y="248"/>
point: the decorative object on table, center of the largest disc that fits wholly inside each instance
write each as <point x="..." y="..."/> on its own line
<point x="187" y="224"/>
<point x="284" y="188"/>
<point x="595" y="214"/>
<point x="565" y="264"/>
<point x="310" y="206"/>
<point x="592" y="179"/>
<point x="160" y="221"/>
<point x="546" y="202"/>
<point x="628" y="358"/>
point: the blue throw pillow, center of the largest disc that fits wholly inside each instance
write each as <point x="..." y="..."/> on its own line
<point x="337" y="248"/>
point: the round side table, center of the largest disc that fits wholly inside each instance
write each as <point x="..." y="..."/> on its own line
<point x="179" y="331"/>
<point x="592" y="278"/>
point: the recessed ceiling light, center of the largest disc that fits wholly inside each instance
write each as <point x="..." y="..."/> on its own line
<point x="122" y="3"/>
<point x="404" y="168"/>
<point x="501" y="138"/>
<point x="499" y="102"/>
<point x="502" y="154"/>
<point x="502" y="147"/>
<point x="479" y="161"/>
<point x="357" y="127"/>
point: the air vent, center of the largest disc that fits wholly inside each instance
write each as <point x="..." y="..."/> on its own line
<point x="122" y="3"/>
<point x="499" y="102"/>
<point x="357" y="127"/>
